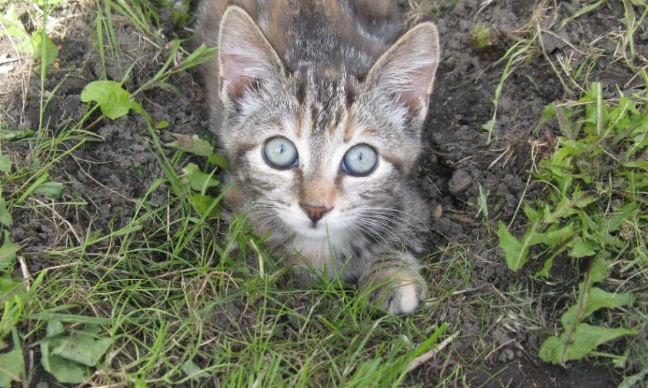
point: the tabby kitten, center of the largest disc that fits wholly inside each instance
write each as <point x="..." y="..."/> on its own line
<point x="319" y="106"/>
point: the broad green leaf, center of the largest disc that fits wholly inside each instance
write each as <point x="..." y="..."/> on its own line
<point x="191" y="144"/>
<point x="8" y="252"/>
<point x="65" y="371"/>
<point x="81" y="347"/>
<point x="5" y="163"/>
<point x="48" y="53"/>
<point x="12" y="364"/>
<point x="532" y="214"/>
<point x="114" y="101"/>
<point x="7" y="286"/>
<point x="54" y="328"/>
<point x="581" y="247"/>
<point x="552" y="237"/>
<point x="219" y="161"/>
<point x="202" y="203"/>
<point x="192" y="370"/>
<point x="92" y="328"/>
<point x="584" y="340"/>
<point x="5" y="217"/>
<point x="599" y="270"/>
<point x="198" y="180"/>
<point x="515" y="252"/>
<point x="49" y="189"/>
<point x="581" y="199"/>
<point x="566" y="207"/>
<point x="596" y="299"/>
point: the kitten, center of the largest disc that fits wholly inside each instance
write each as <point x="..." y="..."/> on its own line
<point x="319" y="107"/>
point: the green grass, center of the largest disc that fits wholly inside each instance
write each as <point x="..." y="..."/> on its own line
<point x="167" y="298"/>
<point x="176" y="296"/>
<point x="592" y="213"/>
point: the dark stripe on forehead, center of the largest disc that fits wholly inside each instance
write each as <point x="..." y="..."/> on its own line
<point x="328" y="101"/>
<point x="350" y="94"/>
<point x="325" y="95"/>
<point x="314" y="116"/>
<point x="301" y="90"/>
<point x="338" y="118"/>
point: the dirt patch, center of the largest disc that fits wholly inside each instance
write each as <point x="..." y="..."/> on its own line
<point x="461" y="163"/>
<point x="116" y="169"/>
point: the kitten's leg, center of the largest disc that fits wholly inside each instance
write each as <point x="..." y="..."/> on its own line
<point x="394" y="283"/>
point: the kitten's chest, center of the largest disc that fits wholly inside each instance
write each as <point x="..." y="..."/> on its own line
<point x="330" y="254"/>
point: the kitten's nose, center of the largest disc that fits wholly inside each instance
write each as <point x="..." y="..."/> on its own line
<point x="315" y="213"/>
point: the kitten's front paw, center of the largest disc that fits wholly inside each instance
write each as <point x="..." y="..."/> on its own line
<point x="396" y="291"/>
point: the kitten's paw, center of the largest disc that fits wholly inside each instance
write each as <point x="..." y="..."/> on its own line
<point x="396" y="291"/>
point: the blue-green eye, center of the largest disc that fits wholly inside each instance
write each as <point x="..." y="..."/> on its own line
<point x="280" y="153"/>
<point x="360" y="160"/>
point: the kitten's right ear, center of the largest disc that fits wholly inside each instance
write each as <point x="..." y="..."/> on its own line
<point x="247" y="60"/>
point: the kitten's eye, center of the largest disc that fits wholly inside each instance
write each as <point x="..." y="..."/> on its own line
<point x="360" y="160"/>
<point x="280" y="152"/>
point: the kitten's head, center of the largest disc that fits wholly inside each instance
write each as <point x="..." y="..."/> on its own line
<point x="316" y="151"/>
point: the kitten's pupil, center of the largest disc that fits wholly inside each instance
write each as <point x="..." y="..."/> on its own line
<point x="280" y="153"/>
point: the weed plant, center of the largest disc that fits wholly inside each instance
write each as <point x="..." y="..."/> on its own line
<point x="176" y="296"/>
<point x="595" y="214"/>
<point x="171" y="297"/>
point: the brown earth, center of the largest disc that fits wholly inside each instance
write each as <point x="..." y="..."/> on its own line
<point x="112" y="173"/>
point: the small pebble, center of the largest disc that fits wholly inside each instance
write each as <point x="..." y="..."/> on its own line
<point x="438" y="212"/>
<point x="460" y="181"/>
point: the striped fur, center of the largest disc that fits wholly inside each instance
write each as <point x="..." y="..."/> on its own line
<point x="326" y="75"/>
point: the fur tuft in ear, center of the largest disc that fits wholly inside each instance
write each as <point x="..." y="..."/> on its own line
<point x="406" y="71"/>
<point x="247" y="60"/>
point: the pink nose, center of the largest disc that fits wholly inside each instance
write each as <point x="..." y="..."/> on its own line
<point x="315" y="213"/>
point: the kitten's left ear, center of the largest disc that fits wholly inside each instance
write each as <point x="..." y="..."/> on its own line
<point x="406" y="71"/>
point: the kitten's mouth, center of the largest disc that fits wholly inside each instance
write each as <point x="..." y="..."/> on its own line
<point x="316" y="230"/>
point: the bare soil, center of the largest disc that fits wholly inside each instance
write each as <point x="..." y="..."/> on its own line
<point x="111" y="174"/>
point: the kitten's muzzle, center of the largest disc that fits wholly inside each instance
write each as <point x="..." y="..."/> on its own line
<point x="315" y="213"/>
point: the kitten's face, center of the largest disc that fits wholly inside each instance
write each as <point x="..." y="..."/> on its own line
<point x="317" y="151"/>
<point x="325" y="165"/>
